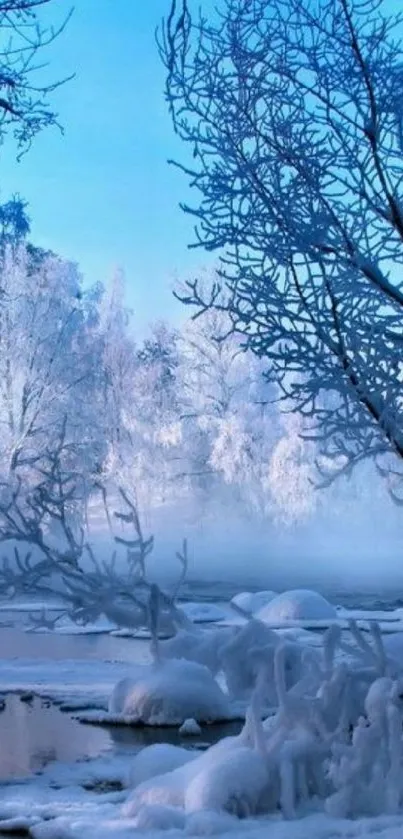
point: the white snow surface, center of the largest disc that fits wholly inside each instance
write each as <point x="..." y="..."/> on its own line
<point x="197" y="793"/>
<point x="297" y="605"/>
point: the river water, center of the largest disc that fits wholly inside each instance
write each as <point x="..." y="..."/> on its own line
<point x="34" y="732"/>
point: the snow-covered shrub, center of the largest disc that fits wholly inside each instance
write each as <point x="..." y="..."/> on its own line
<point x="368" y="773"/>
<point x="197" y="645"/>
<point x="239" y="666"/>
<point x="250" y="653"/>
<point x="297" y="605"/>
<point x="336" y="735"/>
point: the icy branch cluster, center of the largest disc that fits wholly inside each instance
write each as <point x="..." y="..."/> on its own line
<point x="333" y="734"/>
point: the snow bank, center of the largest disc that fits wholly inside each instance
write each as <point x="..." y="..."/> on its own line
<point x="251" y="602"/>
<point x="168" y="693"/>
<point x="297" y="605"/>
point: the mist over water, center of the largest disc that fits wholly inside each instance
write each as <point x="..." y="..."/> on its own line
<point x="353" y="542"/>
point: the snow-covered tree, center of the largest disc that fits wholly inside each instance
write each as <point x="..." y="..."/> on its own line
<point x="50" y="356"/>
<point x="141" y="423"/>
<point x="228" y="428"/>
<point x="293" y="111"/>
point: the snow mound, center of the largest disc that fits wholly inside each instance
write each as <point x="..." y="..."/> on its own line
<point x="170" y="692"/>
<point x="297" y="605"/>
<point x="169" y="788"/>
<point x="156" y="760"/>
<point x="250" y="602"/>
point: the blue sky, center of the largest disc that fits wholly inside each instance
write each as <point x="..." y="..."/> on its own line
<point x="103" y="194"/>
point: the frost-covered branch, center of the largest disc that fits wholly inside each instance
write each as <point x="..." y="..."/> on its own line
<point x="293" y="112"/>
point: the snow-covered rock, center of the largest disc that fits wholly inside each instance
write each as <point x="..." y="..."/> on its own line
<point x="168" y="693"/>
<point x="250" y="602"/>
<point x="190" y="728"/>
<point x="297" y="605"/>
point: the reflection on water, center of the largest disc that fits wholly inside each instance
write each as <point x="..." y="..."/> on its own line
<point x="34" y="733"/>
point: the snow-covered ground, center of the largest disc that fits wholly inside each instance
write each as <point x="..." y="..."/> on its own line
<point x="232" y="667"/>
<point x="69" y="801"/>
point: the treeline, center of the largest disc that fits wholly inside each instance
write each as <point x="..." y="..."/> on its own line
<point x="86" y="407"/>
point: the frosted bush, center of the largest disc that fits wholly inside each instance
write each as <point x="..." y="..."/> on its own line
<point x="199" y="646"/>
<point x="335" y="735"/>
<point x="239" y="666"/>
<point x="368" y="773"/>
